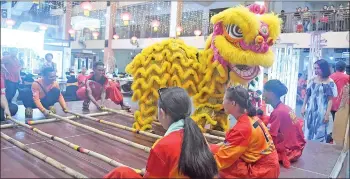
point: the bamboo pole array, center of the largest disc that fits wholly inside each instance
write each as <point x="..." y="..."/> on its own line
<point x="217" y="135"/>
<point x="33" y="122"/>
<point x="43" y="157"/>
<point x="74" y="146"/>
<point x="148" y="134"/>
<point x="110" y="136"/>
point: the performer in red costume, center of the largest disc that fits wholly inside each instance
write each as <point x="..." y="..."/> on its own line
<point x="285" y="127"/>
<point x="97" y="86"/>
<point x="248" y="150"/>
<point x="183" y="151"/>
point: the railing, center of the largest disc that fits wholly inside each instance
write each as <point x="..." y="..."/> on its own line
<point x="316" y="21"/>
<point x="88" y="34"/>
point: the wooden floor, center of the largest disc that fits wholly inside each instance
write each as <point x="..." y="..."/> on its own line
<point x="317" y="160"/>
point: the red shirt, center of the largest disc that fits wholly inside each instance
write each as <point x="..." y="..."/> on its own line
<point x="164" y="157"/>
<point x="81" y="79"/>
<point x="285" y="128"/>
<point x="340" y="79"/>
<point x="2" y="85"/>
<point x="13" y="66"/>
<point x="96" y="86"/>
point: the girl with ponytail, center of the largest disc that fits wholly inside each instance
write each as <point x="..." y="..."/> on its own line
<point x="183" y="151"/>
<point x="248" y="150"/>
<point x="285" y="127"/>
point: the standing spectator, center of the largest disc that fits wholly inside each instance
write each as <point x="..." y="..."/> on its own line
<point x="317" y="105"/>
<point x="284" y="18"/>
<point x="82" y="77"/>
<point x="49" y="63"/>
<point x="12" y="68"/>
<point x="306" y="16"/>
<point x="340" y="79"/>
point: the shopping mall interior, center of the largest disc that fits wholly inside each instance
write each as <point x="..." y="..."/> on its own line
<point x="176" y="36"/>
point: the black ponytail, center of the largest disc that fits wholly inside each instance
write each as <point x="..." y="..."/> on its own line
<point x="251" y="110"/>
<point x="196" y="160"/>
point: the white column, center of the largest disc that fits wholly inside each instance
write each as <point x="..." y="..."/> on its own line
<point x="107" y="23"/>
<point x="173" y="19"/>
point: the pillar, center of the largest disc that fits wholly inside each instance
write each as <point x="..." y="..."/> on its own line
<point x="67" y="58"/>
<point x="67" y="24"/>
<point x="109" y="59"/>
<point x="175" y="16"/>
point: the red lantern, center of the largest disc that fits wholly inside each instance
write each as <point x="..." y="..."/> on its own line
<point x="86" y="7"/>
<point x="178" y="30"/>
<point x="197" y="33"/>
<point x="95" y="34"/>
<point x="126" y="18"/>
<point x="155" y="24"/>
<point x="133" y="39"/>
<point x="116" y="37"/>
<point x="10" y="23"/>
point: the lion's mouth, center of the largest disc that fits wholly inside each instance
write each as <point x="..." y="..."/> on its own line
<point x="245" y="72"/>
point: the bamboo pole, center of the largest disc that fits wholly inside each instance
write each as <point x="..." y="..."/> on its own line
<point x="110" y="136"/>
<point x="217" y="135"/>
<point x="33" y="122"/>
<point x="43" y="157"/>
<point x="74" y="146"/>
<point x="148" y="134"/>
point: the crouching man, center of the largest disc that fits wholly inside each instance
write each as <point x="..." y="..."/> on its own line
<point x="98" y="87"/>
<point x="44" y="94"/>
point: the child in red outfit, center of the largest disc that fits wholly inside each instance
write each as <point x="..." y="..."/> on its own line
<point x="285" y="127"/>
<point x="248" y="150"/>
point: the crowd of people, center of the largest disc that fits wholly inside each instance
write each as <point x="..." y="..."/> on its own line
<point x="44" y="92"/>
<point x="328" y="18"/>
<point x="253" y="148"/>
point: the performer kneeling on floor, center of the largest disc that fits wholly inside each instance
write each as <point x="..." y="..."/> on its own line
<point x="44" y="94"/>
<point x="97" y="86"/>
<point x="248" y="150"/>
<point x="7" y="109"/>
<point x="183" y="151"/>
<point x="285" y="128"/>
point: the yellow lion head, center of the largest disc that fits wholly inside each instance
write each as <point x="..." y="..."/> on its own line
<point x="242" y="38"/>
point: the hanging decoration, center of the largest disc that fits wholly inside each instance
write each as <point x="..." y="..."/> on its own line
<point x="115" y="37"/>
<point x="155" y="24"/>
<point x="95" y="34"/>
<point x="71" y="32"/>
<point x="10" y="23"/>
<point x="133" y="39"/>
<point x="43" y="27"/>
<point x="197" y="33"/>
<point x="126" y="18"/>
<point x="178" y="30"/>
<point x="86" y="7"/>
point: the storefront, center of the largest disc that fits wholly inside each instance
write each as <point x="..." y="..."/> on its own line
<point x="30" y="45"/>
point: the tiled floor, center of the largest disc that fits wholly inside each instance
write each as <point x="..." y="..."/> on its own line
<point x="317" y="160"/>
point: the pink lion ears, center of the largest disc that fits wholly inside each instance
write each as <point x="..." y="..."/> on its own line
<point x="257" y="8"/>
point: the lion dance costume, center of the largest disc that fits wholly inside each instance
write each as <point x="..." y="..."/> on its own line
<point x="239" y="45"/>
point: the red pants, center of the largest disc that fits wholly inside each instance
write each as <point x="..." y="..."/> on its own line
<point x="112" y="93"/>
<point x="122" y="172"/>
<point x="266" y="167"/>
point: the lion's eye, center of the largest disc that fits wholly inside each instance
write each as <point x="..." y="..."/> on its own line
<point x="234" y="31"/>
